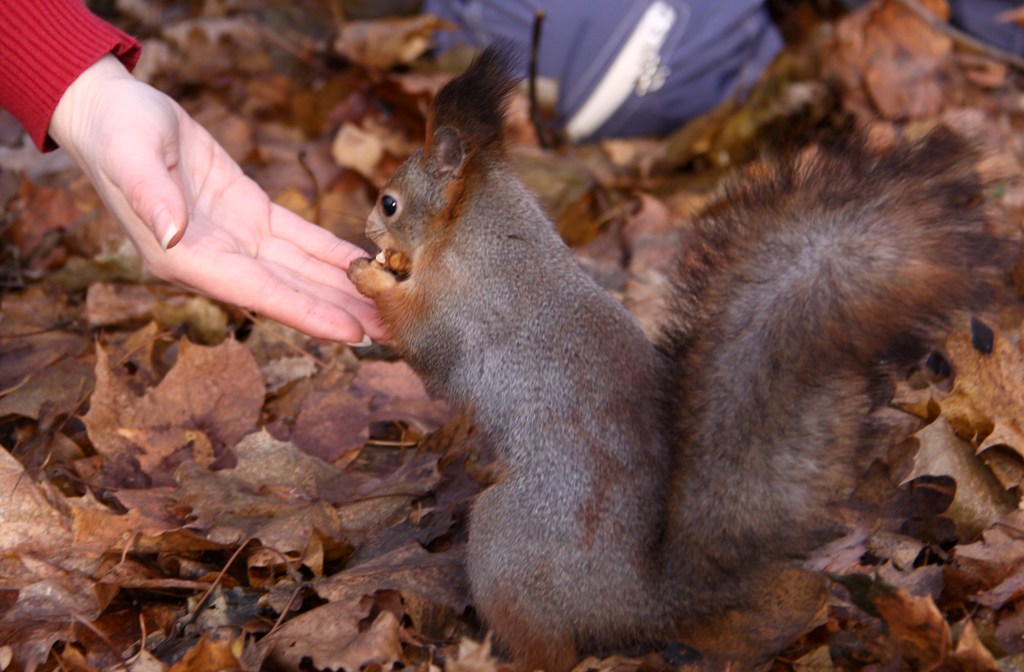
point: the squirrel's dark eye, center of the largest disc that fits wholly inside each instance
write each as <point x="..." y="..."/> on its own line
<point x="388" y="205"/>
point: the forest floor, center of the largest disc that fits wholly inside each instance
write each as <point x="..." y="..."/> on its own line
<point x="185" y="485"/>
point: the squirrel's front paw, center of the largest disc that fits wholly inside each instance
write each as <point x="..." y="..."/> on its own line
<point x="370" y="277"/>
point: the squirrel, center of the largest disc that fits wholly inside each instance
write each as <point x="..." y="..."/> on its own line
<point x="644" y="483"/>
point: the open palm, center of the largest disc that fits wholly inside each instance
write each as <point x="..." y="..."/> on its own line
<point x="171" y="185"/>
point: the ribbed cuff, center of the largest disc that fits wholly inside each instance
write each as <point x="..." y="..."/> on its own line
<point x="44" y="46"/>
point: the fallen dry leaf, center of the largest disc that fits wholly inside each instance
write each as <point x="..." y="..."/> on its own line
<point x="987" y="400"/>
<point x="891" y="63"/>
<point x="107" y="303"/>
<point x="203" y="406"/>
<point x="970" y="654"/>
<point x="213" y="655"/>
<point x="818" y="660"/>
<point x="27" y="356"/>
<point x="231" y="509"/>
<point x="359" y="150"/>
<point x="326" y="464"/>
<point x="384" y="44"/>
<point x="34" y="310"/>
<point x="29" y="521"/>
<point x="409" y="569"/>
<point x="986" y="563"/>
<point x="144" y="661"/>
<point x="50" y="600"/>
<point x="330" y="637"/>
<point x="41" y="215"/>
<point x="979" y="500"/>
<point x="56" y="390"/>
<point x="397" y="394"/>
<point x="332" y="424"/>
<point x="916" y="626"/>
<point x="100" y="529"/>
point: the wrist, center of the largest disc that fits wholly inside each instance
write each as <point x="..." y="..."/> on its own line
<point x="74" y="113"/>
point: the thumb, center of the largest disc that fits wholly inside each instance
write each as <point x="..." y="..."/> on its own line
<point x="167" y="228"/>
<point x="158" y="201"/>
<point x="153" y="194"/>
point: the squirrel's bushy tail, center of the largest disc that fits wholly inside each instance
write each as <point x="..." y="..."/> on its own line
<point x="802" y="292"/>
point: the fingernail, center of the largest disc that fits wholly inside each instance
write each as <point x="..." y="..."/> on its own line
<point x="166" y="240"/>
<point x="367" y="341"/>
<point x="162" y="221"/>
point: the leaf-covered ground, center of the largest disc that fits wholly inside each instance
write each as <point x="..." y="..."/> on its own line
<point x="187" y="486"/>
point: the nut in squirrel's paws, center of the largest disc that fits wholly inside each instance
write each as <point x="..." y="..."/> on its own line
<point x="396" y="262"/>
<point x="373" y="276"/>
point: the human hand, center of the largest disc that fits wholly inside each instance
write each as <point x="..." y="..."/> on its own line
<point x="196" y="218"/>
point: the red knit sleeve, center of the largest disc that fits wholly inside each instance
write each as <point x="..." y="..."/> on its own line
<point x="44" y="46"/>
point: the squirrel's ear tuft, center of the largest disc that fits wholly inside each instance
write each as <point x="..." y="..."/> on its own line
<point x="474" y="103"/>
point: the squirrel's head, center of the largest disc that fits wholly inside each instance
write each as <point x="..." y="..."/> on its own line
<point x="426" y="196"/>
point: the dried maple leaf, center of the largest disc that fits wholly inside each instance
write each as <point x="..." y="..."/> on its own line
<point x="109" y="303"/>
<point x="331" y="637"/>
<point x="27" y="356"/>
<point x="398" y="394"/>
<point x="819" y="659"/>
<point x="34" y="310"/>
<point x="203" y="406"/>
<point x="360" y="151"/>
<point x="987" y="400"/>
<point x="916" y="626"/>
<point x="332" y="424"/>
<point x="50" y="600"/>
<point x="31" y="641"/>
<point x="57" y="389"/>
<point x="979" y="500"/>
<point x="384" y="44"/>
<point x="99" y="529"/>
<point x="1009" y="590"/>
<point x="29" y="520"/>
<point x="294" y="502"/>
<point x="213" y="654"/>
<point x="40" y="216"/>
<point x="970" y="653"/>
<point x="437" y="577"/>
<point x="230" y="508"/>
<point x="916" y="632"/>
<point x="986" y="563"/>
<point x="890" y="62"/>
<point x="991" y="570"/>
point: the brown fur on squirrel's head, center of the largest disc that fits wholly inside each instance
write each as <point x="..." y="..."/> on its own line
<point x="465" y="134"/>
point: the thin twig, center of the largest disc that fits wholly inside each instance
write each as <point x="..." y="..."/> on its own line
<point x="144" y="635"/>
<point x="216" y="582"/>
<point x="386" y="443"/>
<point x="285" y="560"/>
<point x="538" y="24"/>
<point x="288" y="607"/>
